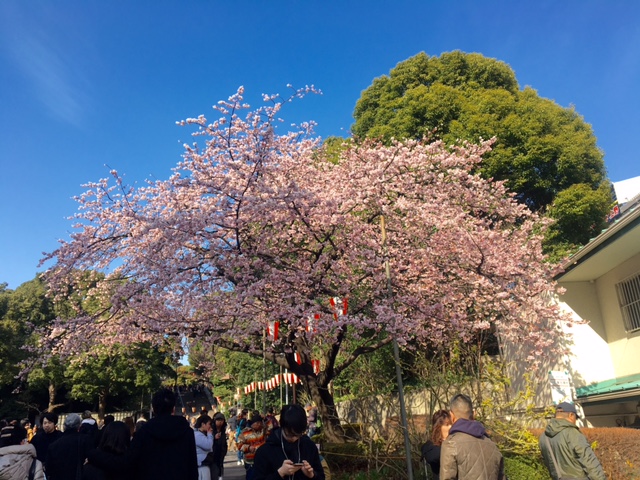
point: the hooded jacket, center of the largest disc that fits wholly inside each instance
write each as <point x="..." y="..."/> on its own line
<point x="90" y="427"/>
<point x="469" y="453"/>
<point x="164" y="449"/>
<point x="575" y="457"/>
<point x="270" y="456"/>
<point x="16" y="460"/>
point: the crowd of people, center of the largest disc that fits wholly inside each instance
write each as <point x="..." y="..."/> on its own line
<point x="460" y="448"/>
<point x="168" y="447"/>
<point x="163" y="447"/>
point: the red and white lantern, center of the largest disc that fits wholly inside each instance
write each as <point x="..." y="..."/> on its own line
<point x="272" y="330"/>
<point x="312" y="323"/>
<point x="340" y="307"/>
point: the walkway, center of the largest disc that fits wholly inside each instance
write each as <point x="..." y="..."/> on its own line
<point x="232" y="471"/>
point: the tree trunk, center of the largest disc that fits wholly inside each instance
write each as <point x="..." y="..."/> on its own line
<point x="102" y="403"/>
<point x="322" y="397"/>
<point x="52" y="396"/>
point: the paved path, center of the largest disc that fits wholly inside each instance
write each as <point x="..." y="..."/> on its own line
<point x="233" y="471"/>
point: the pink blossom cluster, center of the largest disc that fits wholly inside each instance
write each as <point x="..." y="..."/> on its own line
<point x="256" y="225"/>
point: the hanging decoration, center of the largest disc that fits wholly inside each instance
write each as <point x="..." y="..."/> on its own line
<point x="339" y="307"/>
<point x="274" y="382"/>
<point x="272" y="330"/>
<point x="312" y="323"/>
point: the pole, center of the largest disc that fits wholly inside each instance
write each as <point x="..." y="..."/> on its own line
<point x="264" y="371"/>
<point x="286" y="388"/>
<point x="281" y="387"/>
<point x="293" y="389"/>
<point x="396" y="358"/>
<point x="255" y="392"/>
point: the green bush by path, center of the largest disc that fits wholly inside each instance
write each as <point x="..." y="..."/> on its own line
<point x="519" y="467"/>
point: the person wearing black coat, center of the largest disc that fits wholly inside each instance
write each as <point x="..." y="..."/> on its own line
<point x="66" y="455"/>
<point x="220" y="447"/>
<point x="46" y="435"/>
<point x="440" y="426"/>
<point x="89" y="427"/>
<point x="108" y="461"/>
<point x="163" y="449"/>
<point x="288" y="452"/>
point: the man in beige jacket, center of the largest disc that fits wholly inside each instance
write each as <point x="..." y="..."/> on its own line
<point x="468" y="453"/>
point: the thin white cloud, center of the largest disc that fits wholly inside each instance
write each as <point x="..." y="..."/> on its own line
<point x="52" y="71"/>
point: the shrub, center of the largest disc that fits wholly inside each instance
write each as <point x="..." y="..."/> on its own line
<point x="361" y="476"/>
<point x="520" y="467"/>
<point x="345" y="457"/>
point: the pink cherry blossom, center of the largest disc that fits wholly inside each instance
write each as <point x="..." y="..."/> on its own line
<point x="256" y="225"/>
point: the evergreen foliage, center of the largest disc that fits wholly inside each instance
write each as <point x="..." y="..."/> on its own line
<point x="547" y="154"/>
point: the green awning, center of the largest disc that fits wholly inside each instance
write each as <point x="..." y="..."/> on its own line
<point x="615" y="385"/>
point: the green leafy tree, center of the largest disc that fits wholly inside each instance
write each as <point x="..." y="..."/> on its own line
<point x="96" y="374"/>
<point x="21" y="311"/>
<point x="127" y="371"/>
<point x="227" y="371"/>
<point x="49" y="377"/>
<point x="544" y="152"/>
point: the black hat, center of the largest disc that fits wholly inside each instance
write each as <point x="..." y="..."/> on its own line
<point x="219" y="416"/>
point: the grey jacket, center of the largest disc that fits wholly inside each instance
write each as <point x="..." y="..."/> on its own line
<point x="16" y="460"/>
<point x="469" y="454"/>
<point x="572" y="451"/>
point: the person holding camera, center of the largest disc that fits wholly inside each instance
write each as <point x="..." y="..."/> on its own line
<point x="289" y="453"/>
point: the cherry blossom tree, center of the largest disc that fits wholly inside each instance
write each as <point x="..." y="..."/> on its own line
<point x="256" y="226"/>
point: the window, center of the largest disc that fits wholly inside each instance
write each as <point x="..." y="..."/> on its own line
<point x="629" y="299"/>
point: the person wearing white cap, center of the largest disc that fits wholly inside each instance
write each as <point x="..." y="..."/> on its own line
<point x="565" y="451"/>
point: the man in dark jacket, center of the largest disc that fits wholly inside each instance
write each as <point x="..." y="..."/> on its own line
<point x="46" y="436"/>
<point x="563" y="442"/>
<point x="66" y="455"/>
<point x="89" y="427"/>
<point x="165" y="447"/>
<point x="468" y="452"/>
<point x="288" y="452"/>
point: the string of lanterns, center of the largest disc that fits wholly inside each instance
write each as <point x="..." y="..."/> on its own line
<point x="339" y="307"/>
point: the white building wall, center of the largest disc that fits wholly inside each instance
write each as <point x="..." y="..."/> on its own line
<point x="624" y="347"/>
<point x="590" y="359"/>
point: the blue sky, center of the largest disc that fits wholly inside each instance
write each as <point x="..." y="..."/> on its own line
<point x="86" y="84"/>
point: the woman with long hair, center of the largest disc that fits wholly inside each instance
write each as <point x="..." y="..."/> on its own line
<point x="108" y="461"/>
<point x="440" y="426"/>
<point x="219" y="432"/>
